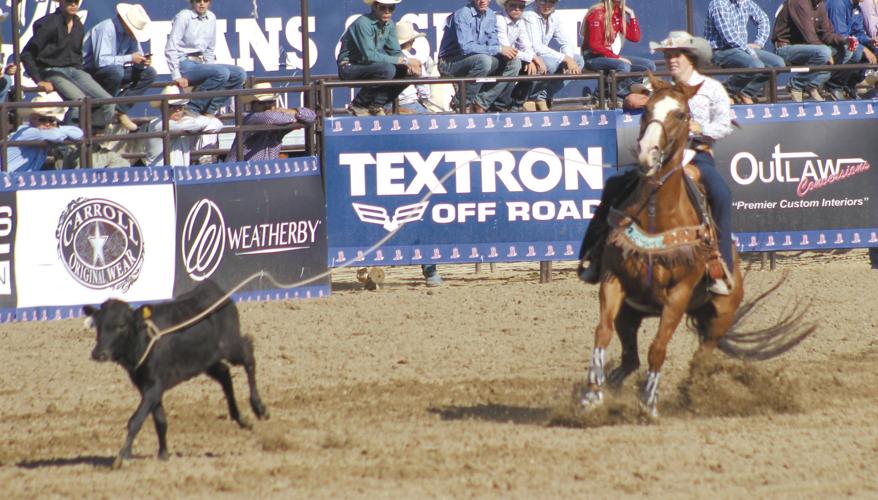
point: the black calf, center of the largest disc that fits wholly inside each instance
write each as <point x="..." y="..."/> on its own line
<point x="206" y="346"/>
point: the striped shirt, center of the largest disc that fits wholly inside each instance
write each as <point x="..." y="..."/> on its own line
<point x="726" y="26"/>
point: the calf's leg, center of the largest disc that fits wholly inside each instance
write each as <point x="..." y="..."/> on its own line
<point x="220" y="372"/>
<point x="249" y="362"/>
<point x="161" y="429"/>
<point x="149" y="399"/>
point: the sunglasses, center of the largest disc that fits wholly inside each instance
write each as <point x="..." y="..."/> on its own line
<point x="515" y="6"/>
<point x="387" y="7"/>
<point x="547" y="2"/>
<point x="47" y="120"/>
<point x="72" y="1"/>
<point x="200" y="1"/>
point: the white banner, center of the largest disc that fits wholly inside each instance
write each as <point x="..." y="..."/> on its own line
<point x="87" y="244"/>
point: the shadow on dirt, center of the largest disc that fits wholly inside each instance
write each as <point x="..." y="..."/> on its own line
<point x="94" y="461"/>
<point x="493" y="412"/>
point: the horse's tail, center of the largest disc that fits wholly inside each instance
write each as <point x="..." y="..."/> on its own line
<point x="766" y="343"/>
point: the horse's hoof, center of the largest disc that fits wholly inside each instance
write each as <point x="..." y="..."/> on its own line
<point x="245" y="423"/>
<point x="163" y="455"/>
<point x="591" y="399"/>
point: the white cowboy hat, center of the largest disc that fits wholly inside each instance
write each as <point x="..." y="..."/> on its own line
<point x="386" y="2"/>
<point x="406" y="32"/>
<point x="136" y="19"/>
<point x="682" y="40"/>
<point x="170" y="90"/>
<point x="56" y="112"/>
<point x="502" y="3"/>
<point x="260" y="97"/>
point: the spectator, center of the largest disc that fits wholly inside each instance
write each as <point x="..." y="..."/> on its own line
<point x="726" y="30"/>
<point x="471" y="49"/>
<point x="544" y="25"/>
<point x="416" y="98"/>
<point x="869" y="10"/>
<point x="802" y="35"/>
<point x="512" y="31"/>
<point x="191" y="57"/>
<point x="53" y="59"/>
<point x="180" y="119"/>
<point x="604" y="31"/>
<point x="858" y="30"/>
<point x="843" y="84"/>
<point x="6" y="80"/>
<point x="266" y="144"/>
<point x="42" y="125"/>
<point x="115" y="60"/>
<point x="370" y="51"/>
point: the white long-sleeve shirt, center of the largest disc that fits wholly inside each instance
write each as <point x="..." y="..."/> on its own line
<point x="515" y="34"/>
<point x="181" y="146"/>
<point x="543" y="31"/>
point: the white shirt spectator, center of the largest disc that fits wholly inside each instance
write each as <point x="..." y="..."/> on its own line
<point x="515" y="34"/>
<point x="182" y="146"/>
<point x="543" y="31"/>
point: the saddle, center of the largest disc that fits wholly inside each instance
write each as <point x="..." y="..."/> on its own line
<point x="681" y="245"/>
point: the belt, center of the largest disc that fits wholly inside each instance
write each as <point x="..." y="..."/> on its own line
<point x="195" y="58"/>
<point x="778" y="45"/>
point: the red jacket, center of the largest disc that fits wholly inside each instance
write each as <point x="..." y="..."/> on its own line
<point x="593" y="26"/>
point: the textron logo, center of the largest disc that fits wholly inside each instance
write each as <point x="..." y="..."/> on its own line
<point x="100" y="243"/>
<point x="6" y="240"/>
<point x="402" y="215"/>
<point x="806" y="168"/>
<point x="203" y="241"/>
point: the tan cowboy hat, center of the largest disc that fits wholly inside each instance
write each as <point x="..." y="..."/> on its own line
<point x="406" y="32"/>
<point x="170" y="90"/>
<point x="260" y="97"/>
<point x="136" y="19"/>
<point x="682" y="40"/>
<point x="386" y="2"/>
<point x="56" y="112"/>
<point x="502" y="3"/>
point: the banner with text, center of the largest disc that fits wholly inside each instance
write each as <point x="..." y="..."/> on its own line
<point x="467" y="188"/>
<point x="234" y="220"/>
<point x="800" y="174"/>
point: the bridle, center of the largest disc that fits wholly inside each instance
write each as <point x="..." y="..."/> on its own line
<point x="663" y="153"/>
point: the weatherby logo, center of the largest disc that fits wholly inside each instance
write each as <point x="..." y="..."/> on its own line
<point x="402" y="215"/>
<point x="100" y="243"/>
<point x="203" y="242"/>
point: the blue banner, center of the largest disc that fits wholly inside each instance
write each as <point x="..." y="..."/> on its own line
<point x="464" y="188"/>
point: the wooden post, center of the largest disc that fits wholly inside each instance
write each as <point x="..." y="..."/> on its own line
<point x="545" y="271"/>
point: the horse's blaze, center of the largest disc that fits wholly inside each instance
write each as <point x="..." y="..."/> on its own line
<point x="650" y="143"/>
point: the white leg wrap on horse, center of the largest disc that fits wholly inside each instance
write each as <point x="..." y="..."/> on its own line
<point x="650" y="391"/>
<point x="596" y="374"/>
<point x="594" y="396"/>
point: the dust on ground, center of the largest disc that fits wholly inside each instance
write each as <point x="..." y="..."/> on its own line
<point x="464" y="391"/>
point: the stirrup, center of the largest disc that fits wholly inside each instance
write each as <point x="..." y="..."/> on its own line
<point x="590" y="274"/>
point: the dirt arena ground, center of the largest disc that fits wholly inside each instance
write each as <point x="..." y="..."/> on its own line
<point x="463" y="391"/>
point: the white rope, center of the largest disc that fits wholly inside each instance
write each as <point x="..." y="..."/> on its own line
<point x="155" y="334"/>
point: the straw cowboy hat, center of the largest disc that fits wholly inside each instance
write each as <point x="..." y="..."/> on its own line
<point x="502" y="3"/>
<point x="405" y="32"/>
<point x="386" y="2"/>
<point x="136" y="19"/>
<point x="260" y="97"/>
<point x="681" y="40"/>
<point x="170" y="90"/>
<point x="56" y="112"/>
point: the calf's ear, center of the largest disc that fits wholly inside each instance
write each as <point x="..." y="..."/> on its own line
<point x="89" y="312"/>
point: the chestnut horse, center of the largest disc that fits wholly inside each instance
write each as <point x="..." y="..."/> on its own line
<point x="656" y="259"/>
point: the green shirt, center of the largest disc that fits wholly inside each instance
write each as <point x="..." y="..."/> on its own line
<point x="367" y="41"/>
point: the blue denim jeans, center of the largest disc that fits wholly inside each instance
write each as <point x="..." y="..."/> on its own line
<point x="73" y="84"/>
<point x="849" y="78"/>
<point x="751" y="84"/>
<point x="806" y="55"/>
<point x="477" y="66"/>
<point x="379" y="96"/>
<point x="127" y="80"/>
<point x="207" y="77"/>
<point x="600" y="63"/>
<point x="720" y="198"/>
<point x="545" y="90"/>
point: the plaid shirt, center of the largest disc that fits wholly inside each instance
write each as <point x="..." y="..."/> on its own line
<point x="266" y="144"/>
<point x="726" y="26"/>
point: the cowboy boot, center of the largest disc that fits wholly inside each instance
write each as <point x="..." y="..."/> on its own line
<point x="592" y="273"/>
